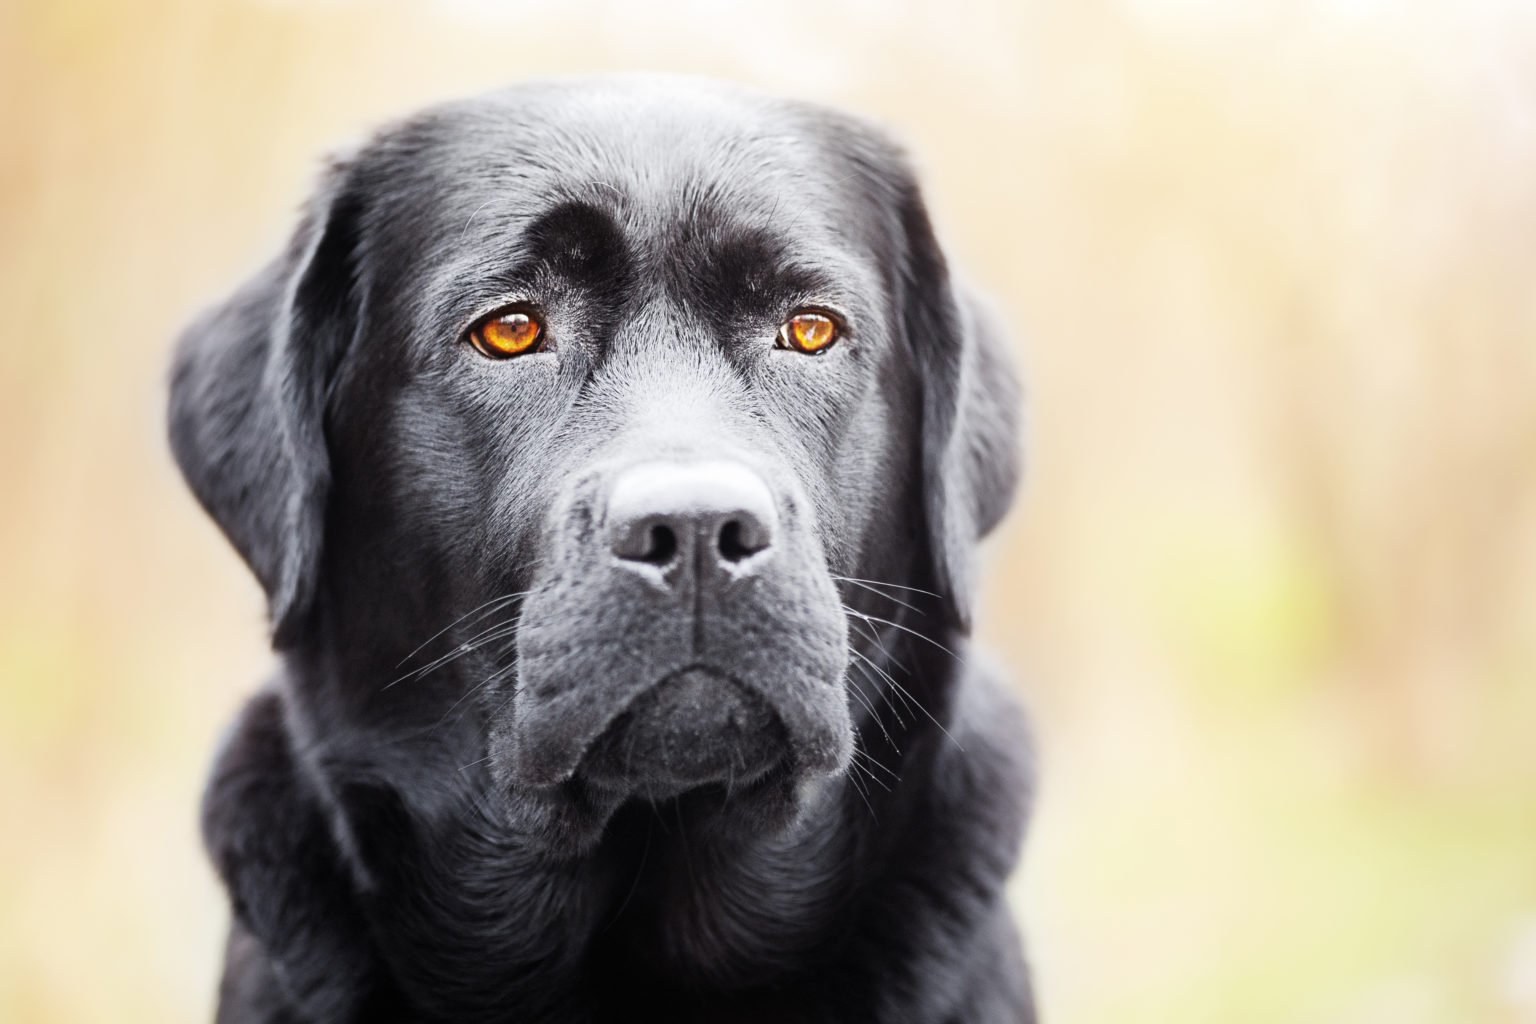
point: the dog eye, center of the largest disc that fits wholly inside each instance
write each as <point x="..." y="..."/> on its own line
<point x="809" y="332"/>
<point x="513" y="333"/>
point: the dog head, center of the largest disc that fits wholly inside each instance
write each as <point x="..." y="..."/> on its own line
<point x="622" y="386"/>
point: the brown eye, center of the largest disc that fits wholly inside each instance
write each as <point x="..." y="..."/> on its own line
<point x="808" y="332"/>
<point x="511" y="334"/>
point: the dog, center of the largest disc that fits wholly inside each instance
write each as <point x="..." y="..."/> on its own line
<point x="613" y="454"/>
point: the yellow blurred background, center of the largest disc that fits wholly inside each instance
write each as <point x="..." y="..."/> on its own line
<point x="1271" y="592"/>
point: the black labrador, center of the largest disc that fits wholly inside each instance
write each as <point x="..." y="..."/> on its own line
<point x="613" y="454"/>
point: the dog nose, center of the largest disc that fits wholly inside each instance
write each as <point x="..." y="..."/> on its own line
<point x="711" y="516"/>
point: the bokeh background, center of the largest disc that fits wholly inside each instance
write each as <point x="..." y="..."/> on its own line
<point x="1271" y="592"/>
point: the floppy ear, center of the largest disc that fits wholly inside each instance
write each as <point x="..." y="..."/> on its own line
<point x="247" y="402"/>
<point x="970" y="411"/>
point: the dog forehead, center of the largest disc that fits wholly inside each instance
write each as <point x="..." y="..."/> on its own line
<point x="648" y="149"/>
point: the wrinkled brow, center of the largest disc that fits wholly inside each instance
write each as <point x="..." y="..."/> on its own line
<point x="735" y="271"/>
<point x="580" y="243"/>
<point x="576" y="243"/>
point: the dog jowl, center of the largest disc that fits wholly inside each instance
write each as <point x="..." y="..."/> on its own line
<point x="613" y="454"/>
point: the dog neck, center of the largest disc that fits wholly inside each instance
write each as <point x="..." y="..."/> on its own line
<point x="448" y="903"/>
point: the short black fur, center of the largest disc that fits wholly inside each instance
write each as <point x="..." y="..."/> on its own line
<point x="501" y="773"/>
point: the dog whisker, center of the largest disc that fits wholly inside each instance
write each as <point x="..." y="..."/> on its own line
<point x="913" y="632"/>
<point x="875" y="761"/>
<point x="491" y="635"/>
<point x="500" y="673"/>
<point x="865" y="662"/>
<point x="472" y="217"/>
<point x="874" y="637"/>
<point x="895" y="600"/>
<point x="858" y="788"/>
<point x="862" y="766"/>
<point x="906" y="695"/>
<point x="870" y="632"/>
<point x="894" y="586"/>
<point x="874" y="715"/>
<point x="481" y="610"/>
<point x="935" y="721"/>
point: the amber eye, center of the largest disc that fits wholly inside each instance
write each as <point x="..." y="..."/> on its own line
<point x="510" y="334"/>
<point x="808" y="332"/>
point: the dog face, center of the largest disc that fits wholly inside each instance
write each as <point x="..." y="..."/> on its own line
<point x="627" y="381"/>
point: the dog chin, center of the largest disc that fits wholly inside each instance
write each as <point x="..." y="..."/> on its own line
<point x="698" y="745"/>
<point x="699" y="748"/>
<point x="569" y="820"/>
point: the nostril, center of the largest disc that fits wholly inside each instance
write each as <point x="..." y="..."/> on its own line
<point x="738" y="542"/>
<point x="660" y="545"/>
<point x="704" y="517"/>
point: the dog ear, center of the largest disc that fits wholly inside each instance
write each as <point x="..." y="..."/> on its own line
<point x="970" y="403"/>
<point x="247" y="402"/>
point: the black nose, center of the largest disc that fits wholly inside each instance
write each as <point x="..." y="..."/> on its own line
<point x="708" y="517"/>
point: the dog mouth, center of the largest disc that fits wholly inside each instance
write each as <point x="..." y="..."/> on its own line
<point x="645" y="670"/>
<point x="695" y="727"/>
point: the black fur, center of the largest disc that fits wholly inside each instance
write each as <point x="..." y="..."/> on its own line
<point x="462" y="797"/>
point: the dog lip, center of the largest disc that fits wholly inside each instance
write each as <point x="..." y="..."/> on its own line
<point x="694" y="726"/>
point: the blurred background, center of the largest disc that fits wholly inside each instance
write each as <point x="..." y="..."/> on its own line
<point x="1271" y="591"/>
